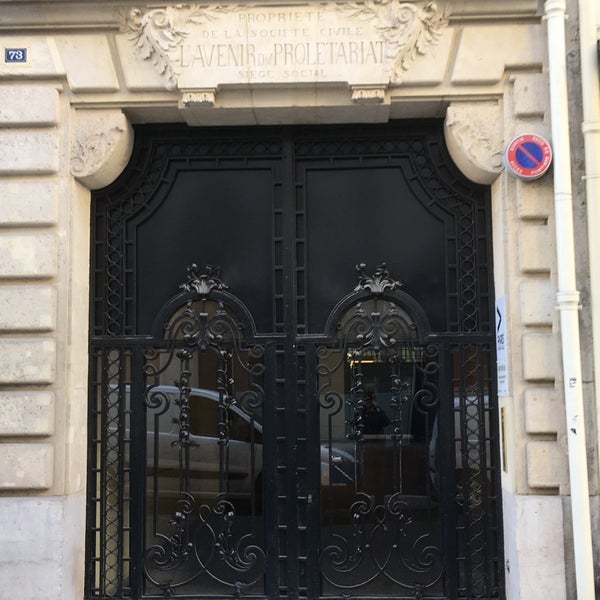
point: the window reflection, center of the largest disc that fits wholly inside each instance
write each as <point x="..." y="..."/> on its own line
<point x="379" y="455"/>
<point x="378" y="417"/>
<point x="221" y="453"/>
<point x="204" y="469"/>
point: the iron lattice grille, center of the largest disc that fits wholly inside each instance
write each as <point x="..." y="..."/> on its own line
<point x="475" y="419"/>
<point x="109" y="503"/>
<point x="135" y="550"/>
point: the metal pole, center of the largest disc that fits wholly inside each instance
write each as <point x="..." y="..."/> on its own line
<point x="568" y="301"/>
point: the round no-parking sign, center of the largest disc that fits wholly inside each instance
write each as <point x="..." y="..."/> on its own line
<point x="528" y="156"/>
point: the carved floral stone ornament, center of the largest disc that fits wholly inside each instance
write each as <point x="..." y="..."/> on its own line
<point x="198" y="47"/>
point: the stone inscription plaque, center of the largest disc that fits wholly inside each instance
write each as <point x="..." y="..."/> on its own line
<point x="368" y="44"/>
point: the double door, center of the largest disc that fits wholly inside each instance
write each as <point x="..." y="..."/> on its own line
<point x="291" y="387"/>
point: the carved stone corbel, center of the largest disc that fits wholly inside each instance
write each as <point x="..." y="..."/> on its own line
<point x="101" y="145"/>
<point x="200" y="97"/>
<point x="474" y="139"/>
<point x="368" y="94"/>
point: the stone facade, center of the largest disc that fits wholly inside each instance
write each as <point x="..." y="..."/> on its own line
<point x="92" y="69"/>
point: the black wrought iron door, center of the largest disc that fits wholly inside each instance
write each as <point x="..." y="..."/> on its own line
<point x="291" y="369"/>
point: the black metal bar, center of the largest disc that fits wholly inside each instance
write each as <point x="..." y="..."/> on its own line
<point x="269" y="478"/>
<point x="138" y="475"/>
<point x="447" y="469"/>
<point x="314" y="475"/>
<point x="291" y="372"/>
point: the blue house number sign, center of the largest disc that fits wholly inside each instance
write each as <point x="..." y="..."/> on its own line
<point x="12" y="55"/>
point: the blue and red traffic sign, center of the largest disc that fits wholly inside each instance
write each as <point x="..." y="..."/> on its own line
<point x="528" y="156"/>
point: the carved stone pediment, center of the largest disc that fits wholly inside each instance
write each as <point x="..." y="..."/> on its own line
<point x="369" y="43"/>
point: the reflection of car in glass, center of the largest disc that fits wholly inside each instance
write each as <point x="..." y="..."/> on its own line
<point x="235" y="466"/>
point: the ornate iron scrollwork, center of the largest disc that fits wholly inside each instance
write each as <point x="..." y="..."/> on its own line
<point x="201" y="546"/>
<point x="207" y="536"/>
<point x="377" y="536"/>
<point x="377" y="283"/>
<point x="386" y="541"/>
<point x="203" y="283"/>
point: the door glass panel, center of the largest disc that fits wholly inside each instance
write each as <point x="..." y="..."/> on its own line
<point x="380" y="512"/>
<point x="367" y="235"/>
<point x="196" y="221"/>
<point x="204" y="406"/>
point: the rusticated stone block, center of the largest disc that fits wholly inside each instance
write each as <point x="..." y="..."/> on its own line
<point x="28" y="202"/>
<point x="42" y="547"/>
<point x="32" y="255"/>
<point x="530" y="95"/>
<point x="539" y="357"/>
<point x="27" y="361"/>
<point x="27" y="308"/>
<point x="26" y="466"/>
<point x="544" y="413"/>
<point x="28" y="105"/>
<point x="538" y="302"/>
<point x="546" y="465"/>
<point x="26" y="413"/>
<point x="78" y="52"/>
<point x="40" y="57"/>
<point x="534" y="546"/>
<point x="536" y="249"/>
<point x="534" y="199"/>
<point x="486" y="50"/>
<point x="34" y="152"/>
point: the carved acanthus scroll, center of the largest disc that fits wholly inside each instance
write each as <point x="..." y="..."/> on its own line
<point x="408" y="29"/>
<point x="159" y="31"/>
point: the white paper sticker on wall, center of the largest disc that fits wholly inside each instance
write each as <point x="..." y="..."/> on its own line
<point x="501" y="353"/>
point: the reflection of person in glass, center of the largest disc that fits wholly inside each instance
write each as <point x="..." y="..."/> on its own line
<point x="374" y="419"/>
